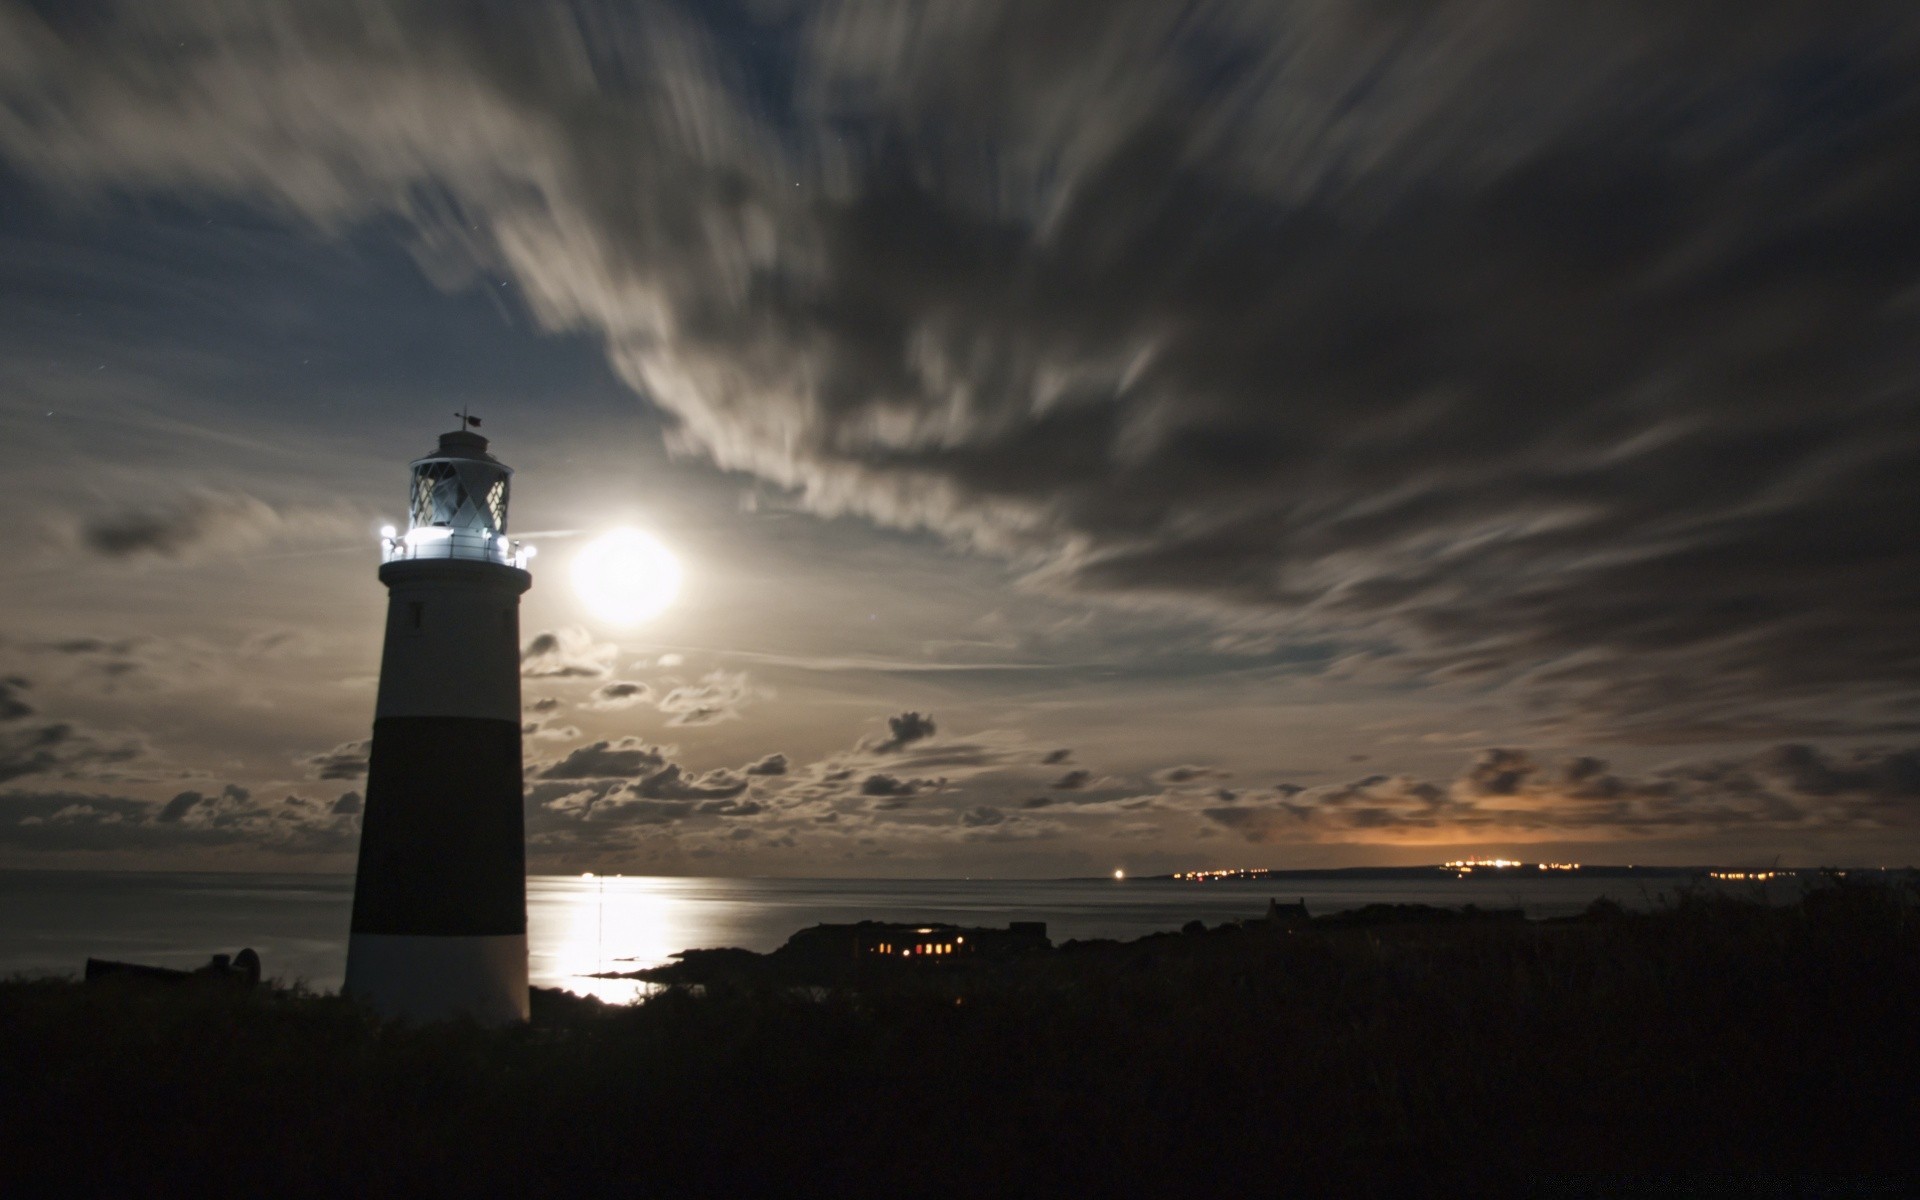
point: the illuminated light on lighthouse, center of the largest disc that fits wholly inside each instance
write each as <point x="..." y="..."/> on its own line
<point x="439" y="904"/>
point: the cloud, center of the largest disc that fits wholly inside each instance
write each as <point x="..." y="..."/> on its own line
<point x="626" y="758"/>
<point x="348" y="760"/>
<point x="1055" y="757"/>
<point x="718" y="697"/>
<point x="75" y="821"/>
<point x="568" y="653"/>
<point x="230" y="799"/>
<point x="730" y="808"/>
<point x="975" y="818"/>
<point x="63" y="749"/>
<point x="672" y="783"/>
<point x="179" y="806"/>
<point x="205" y="523"/>
<point x="1456" y="333"/>
<point x="886" y="785"/>
<point x="630" y="811"/>
<point x="347" y="805"/>
<point x="12" y="707"/>
<point x="1187" y="773"/>
<point x="772" y="764"/>
<point x="231" y="817"/>
<point x="1507" y="792"/>
<point x="545" y="704"/>
<point x="619" y="694"/>
<point x="1073" y="780"/>
<point x="904" y="730"/>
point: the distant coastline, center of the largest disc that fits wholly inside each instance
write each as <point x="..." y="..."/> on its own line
<point x="1428" y="871"/>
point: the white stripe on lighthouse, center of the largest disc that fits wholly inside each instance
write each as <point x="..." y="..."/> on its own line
<point x="429" y="978"/>
<point x="453" y="640"/>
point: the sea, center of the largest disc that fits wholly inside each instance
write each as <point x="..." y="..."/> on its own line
<point x="579" y="927"/>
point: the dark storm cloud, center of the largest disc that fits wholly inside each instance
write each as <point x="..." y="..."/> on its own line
<point x="1561" y="349"/>
<point x="347" y="805"/>
<point x="1507" y="791"/>
<point x="772" y="764"/>
<point x="1887" y="775"/>
<point x="348" y="760"/>
<point x="1073" y="780"/>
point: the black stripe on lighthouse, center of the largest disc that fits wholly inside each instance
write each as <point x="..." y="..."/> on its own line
<point x="442" y="837"/>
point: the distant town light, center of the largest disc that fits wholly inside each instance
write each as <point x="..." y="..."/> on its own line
<point x="1119" y="873"/>
<point x="1219" y="873"/>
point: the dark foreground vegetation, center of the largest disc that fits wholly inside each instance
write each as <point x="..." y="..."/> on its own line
<point x="1715" y="1047"/>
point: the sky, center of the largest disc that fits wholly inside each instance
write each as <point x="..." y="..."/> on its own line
<point x="1134" y="435"/>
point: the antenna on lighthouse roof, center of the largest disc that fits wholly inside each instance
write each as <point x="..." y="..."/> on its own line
<point x="466" y="420"/>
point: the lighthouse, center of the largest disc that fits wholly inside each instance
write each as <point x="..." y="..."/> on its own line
<point x="439" y="903"/>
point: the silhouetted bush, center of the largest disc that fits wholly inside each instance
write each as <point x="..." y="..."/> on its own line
<point x="1716" y="1040"/>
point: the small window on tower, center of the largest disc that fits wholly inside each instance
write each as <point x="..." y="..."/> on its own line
<point x="416" y="613"/>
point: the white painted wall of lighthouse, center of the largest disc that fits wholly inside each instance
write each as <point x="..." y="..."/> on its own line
<point x="453" y="641"/>
<point x="434" y="978"/>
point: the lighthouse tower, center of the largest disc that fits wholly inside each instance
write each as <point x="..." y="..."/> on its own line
<point x="439" y="907"/>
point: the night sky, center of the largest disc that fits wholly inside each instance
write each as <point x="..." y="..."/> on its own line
<point x="1120" y="434"/>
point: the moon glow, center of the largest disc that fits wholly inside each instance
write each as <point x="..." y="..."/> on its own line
<point x="626" y="576"/>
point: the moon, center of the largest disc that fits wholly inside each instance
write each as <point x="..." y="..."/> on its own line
<point x="626" y="576"/>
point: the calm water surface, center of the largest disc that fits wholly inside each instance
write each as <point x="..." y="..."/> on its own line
<point x="52" y="921"/>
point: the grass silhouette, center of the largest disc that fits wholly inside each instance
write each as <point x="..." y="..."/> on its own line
<point x="1717" y="1042"/>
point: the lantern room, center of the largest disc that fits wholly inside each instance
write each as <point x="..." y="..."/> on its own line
<point x="457" y="506"/>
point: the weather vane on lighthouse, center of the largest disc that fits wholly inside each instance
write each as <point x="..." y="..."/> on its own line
<point x="439" y="903"/>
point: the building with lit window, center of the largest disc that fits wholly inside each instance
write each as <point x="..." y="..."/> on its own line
<point x="887" y="942"/>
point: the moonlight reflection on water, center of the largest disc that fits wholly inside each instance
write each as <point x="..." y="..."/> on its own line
<point x="580" y="926"/>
